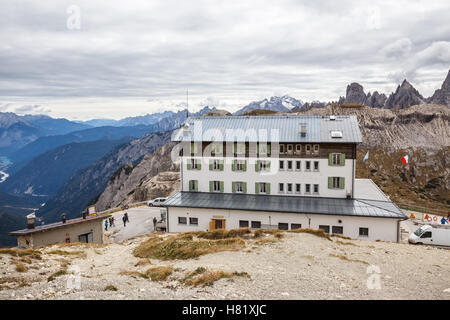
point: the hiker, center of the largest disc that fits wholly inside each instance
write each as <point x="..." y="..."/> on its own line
<point x="126" y="215"/>
<point x="443" y="220"/>
<point x="154" y="223"/>
<point x="106" y="224"/>
<point x="124" y="219"/>
<point x="112" y="222"/>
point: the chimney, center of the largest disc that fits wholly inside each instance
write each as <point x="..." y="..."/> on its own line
<point x="303" y="130"/>
<point x="84" y="214"/>
<point x="63" y="218"/>
<point x="31" y="218"/>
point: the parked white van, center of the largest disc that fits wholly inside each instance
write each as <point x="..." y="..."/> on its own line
<point x="156" y="202"/>
<point x="426" y="234"/>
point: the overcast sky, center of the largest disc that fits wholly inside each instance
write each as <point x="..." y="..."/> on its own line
<point x="112" y="59"/>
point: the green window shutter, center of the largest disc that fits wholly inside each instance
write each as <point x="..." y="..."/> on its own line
<point x="199" y="165"/>
<point x="268" y="188"/>
<point x="257" y="149"/>
<point x="269" y="149"/>
<point x="211" y="186"/>
<point x="210" y="165"/>
<point x="221" y="165"/>
<point x="268" y="165"/>
<point x="244" y="167"/>
<point x="196" y="185"/>
<point x="192" y="147"/>
<point x="233" y="165"/>
<point x="233" y="187"/>
<point x="257" y="165"/>
<point x="190" y="185"/>
<point x="342" y="159"/>
<point x="233" y="148"/>
<point x="330" y="159"/>
<point x="189" y="165"/>
<point x="256" y="187"/>
<point x="342" y="182"/>
<point x="244" y="187"/>
<point x="221" y="186"/>
<point x="330" y="182"/>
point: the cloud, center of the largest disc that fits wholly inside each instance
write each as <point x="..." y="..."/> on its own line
<point x="32" y="109"/>
<point x="398" y="49"/>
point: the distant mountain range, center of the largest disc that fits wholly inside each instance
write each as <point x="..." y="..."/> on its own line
<point x="280" y="104"/>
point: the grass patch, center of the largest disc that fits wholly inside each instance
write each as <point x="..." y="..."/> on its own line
<point x="345" y="258"/>
<point x="82" y="244"/>
<point x="194" y="273"/>
<point x="184" y="247"/>
<point x="33" y="254"/>
<point x="20" y="267"/>
<point x="143" y="262"/>
<point x="76" y="254"/>
<point x="134" y="274"/>
<point x="207" y="278"/>
<point x="220" y="234"/>
<point x="319" y="233"/>
<point x="346" y="243"/>
<point x="110" y="288"/>
<point x="58" y="273"/>
<point x="159" y="273"/>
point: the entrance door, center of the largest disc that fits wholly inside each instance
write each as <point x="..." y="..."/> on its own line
<point x="216" y="224"/>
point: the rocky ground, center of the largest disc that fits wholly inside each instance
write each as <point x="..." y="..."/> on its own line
<point x="297" y="266"/>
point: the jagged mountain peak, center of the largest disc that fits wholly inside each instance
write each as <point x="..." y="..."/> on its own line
<point x="283" y="103"/>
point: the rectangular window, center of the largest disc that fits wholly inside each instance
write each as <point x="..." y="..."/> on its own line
<point x="364" y="232"/>
<point x="240" y="148"/>
<point x="289" y="165"/>
<point x="263" y="165"/>
<point x="308" y="165"/>
<point x="325" y="229"/>
<point x="243" y="224"/>
<point x="193" y="185"/>
<point x="256" y="224"/>
<point x="316" y="188"/>
<point x="216" y="148"/>
<point x="290" y="148"/>
<point x="308" y="148"/>
<point x="281" y="187"/>
<point x="316" y="165"/>
<point x="216" y="165"/>
<point x="289" y="187"/>
<point x="336" y="159"/>
<point x="298" y="165"/>
<point x="337" y="230"/>
<point x="262" y="187"/>
<point x="239" y="187"/>
<point x="182" y="220"/>
<point x="281" y="148"/>
<point x="216" y="186"/>
<point x="193" y="221"/>
<point x="194" y="164"/>
<point x="298" y="148"/>
<point x="295" y="226"/>
<point x="263" y="149"/>
<point x="307" y="188"/>
<point x="240" y="165"/>
<point x="283" y="226"/>
<point x="336" y="183"/>
<point x="316" y="148"/>
<point x="281" y="165"/>
<point x="297" y="187"/>
<point x="86" y="238"/>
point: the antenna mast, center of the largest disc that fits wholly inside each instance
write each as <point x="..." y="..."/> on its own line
<point x="187" y="103"/>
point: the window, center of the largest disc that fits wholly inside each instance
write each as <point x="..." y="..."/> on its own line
<point x="295" y="226"/>
<point x="243" y="224"/>
<point x="307" y="188"/>
<point x="316" y="165"/>
<point x="86" y="238"/>
<point x="289" y="187"/>
<point x="337" y="159"/>
<point x="298" y="148"/>
<point x="336" y="183"/>
<point x="281" y="187"/>
<point x="297" y="187"/>
<point x="364" y="232"/>
<point x="240" y="147"/>
<point x="325" y="229"/>
<point x="289" y="164"/>
<point x="316" y="188"/>
<point x="263" y="165"/>
<point x="281" y="148"/>
<point x="263" y="149"/>
<point x="337" y="230"/>
<point x="216" y="148"/>
<point x="193" y="221"/>
<point x="283" y="226"/>
<point x="298" y="165"/>
<point x="427" y="234"/>
<point x="308" y="148"/>
<point x="262" y="187"/>
<point x="281" y="165"/>
<point x="194" y="164"/>
<point x="193" y="185"/>
<point x="308" y="165"/>
<point x="290" y="148"/>
<point x="182" y="220"/>
<point x="256" y="224"/>
<point x="316" y="148"/>
<point x="240" y="165"/>
<point x="217" y="165"/>
<point x="193" y="148"/>
<point x="216" y="186"/>
<point x="239" y="187"/>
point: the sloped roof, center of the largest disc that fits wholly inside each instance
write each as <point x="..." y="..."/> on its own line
<point x="288" y="204"/>
<point x="277" y="128"/>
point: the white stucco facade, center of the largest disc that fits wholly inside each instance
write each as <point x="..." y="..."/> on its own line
<point x="274" y="176"/>
<point x="385" y="229"/>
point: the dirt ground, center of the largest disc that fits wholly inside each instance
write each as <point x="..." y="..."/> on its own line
<point x="298" y="266"/>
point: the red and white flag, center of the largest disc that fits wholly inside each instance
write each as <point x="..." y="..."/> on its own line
<point x="405" y="159"/>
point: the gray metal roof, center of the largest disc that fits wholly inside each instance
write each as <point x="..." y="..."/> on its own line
<point x="289" y="204"/>
<point x="287" y="128"/>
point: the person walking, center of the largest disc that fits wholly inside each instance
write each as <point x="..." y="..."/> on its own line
<point x="154" y="223"/>
<point x="106" y="224"/>
<point x="126" y="215"/>
<point x="124" y="219"/>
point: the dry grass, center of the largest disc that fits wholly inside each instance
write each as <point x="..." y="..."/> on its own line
<point x="345" y="258"/>
<point x="20" y="267"/>
<point x="134" y="274"/>
<point x="75" y="254"/>
<point x="344" y="243"/>
<point x="110" y="288"/>
<point x="207" y="278"/>
<point x="318" y="233"/>
<point x="143" y="262"/>
<point x="159" y="273"/>
<point x="81" y="244"/>
<point x="18" y="282"/>
<point x="192" y="274"/>
<point x="58" y="273"/>
<point x="184" y="246"/>
<point x="33" y="254"/>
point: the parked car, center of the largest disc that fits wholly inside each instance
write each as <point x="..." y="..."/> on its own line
<point x="426" y="234"/>
<point x="156" y="202"/>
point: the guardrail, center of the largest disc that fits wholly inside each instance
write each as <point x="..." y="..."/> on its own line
<point x="421" y="209"/>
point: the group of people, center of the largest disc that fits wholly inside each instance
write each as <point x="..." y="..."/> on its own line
<point x="110" y="221"/>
